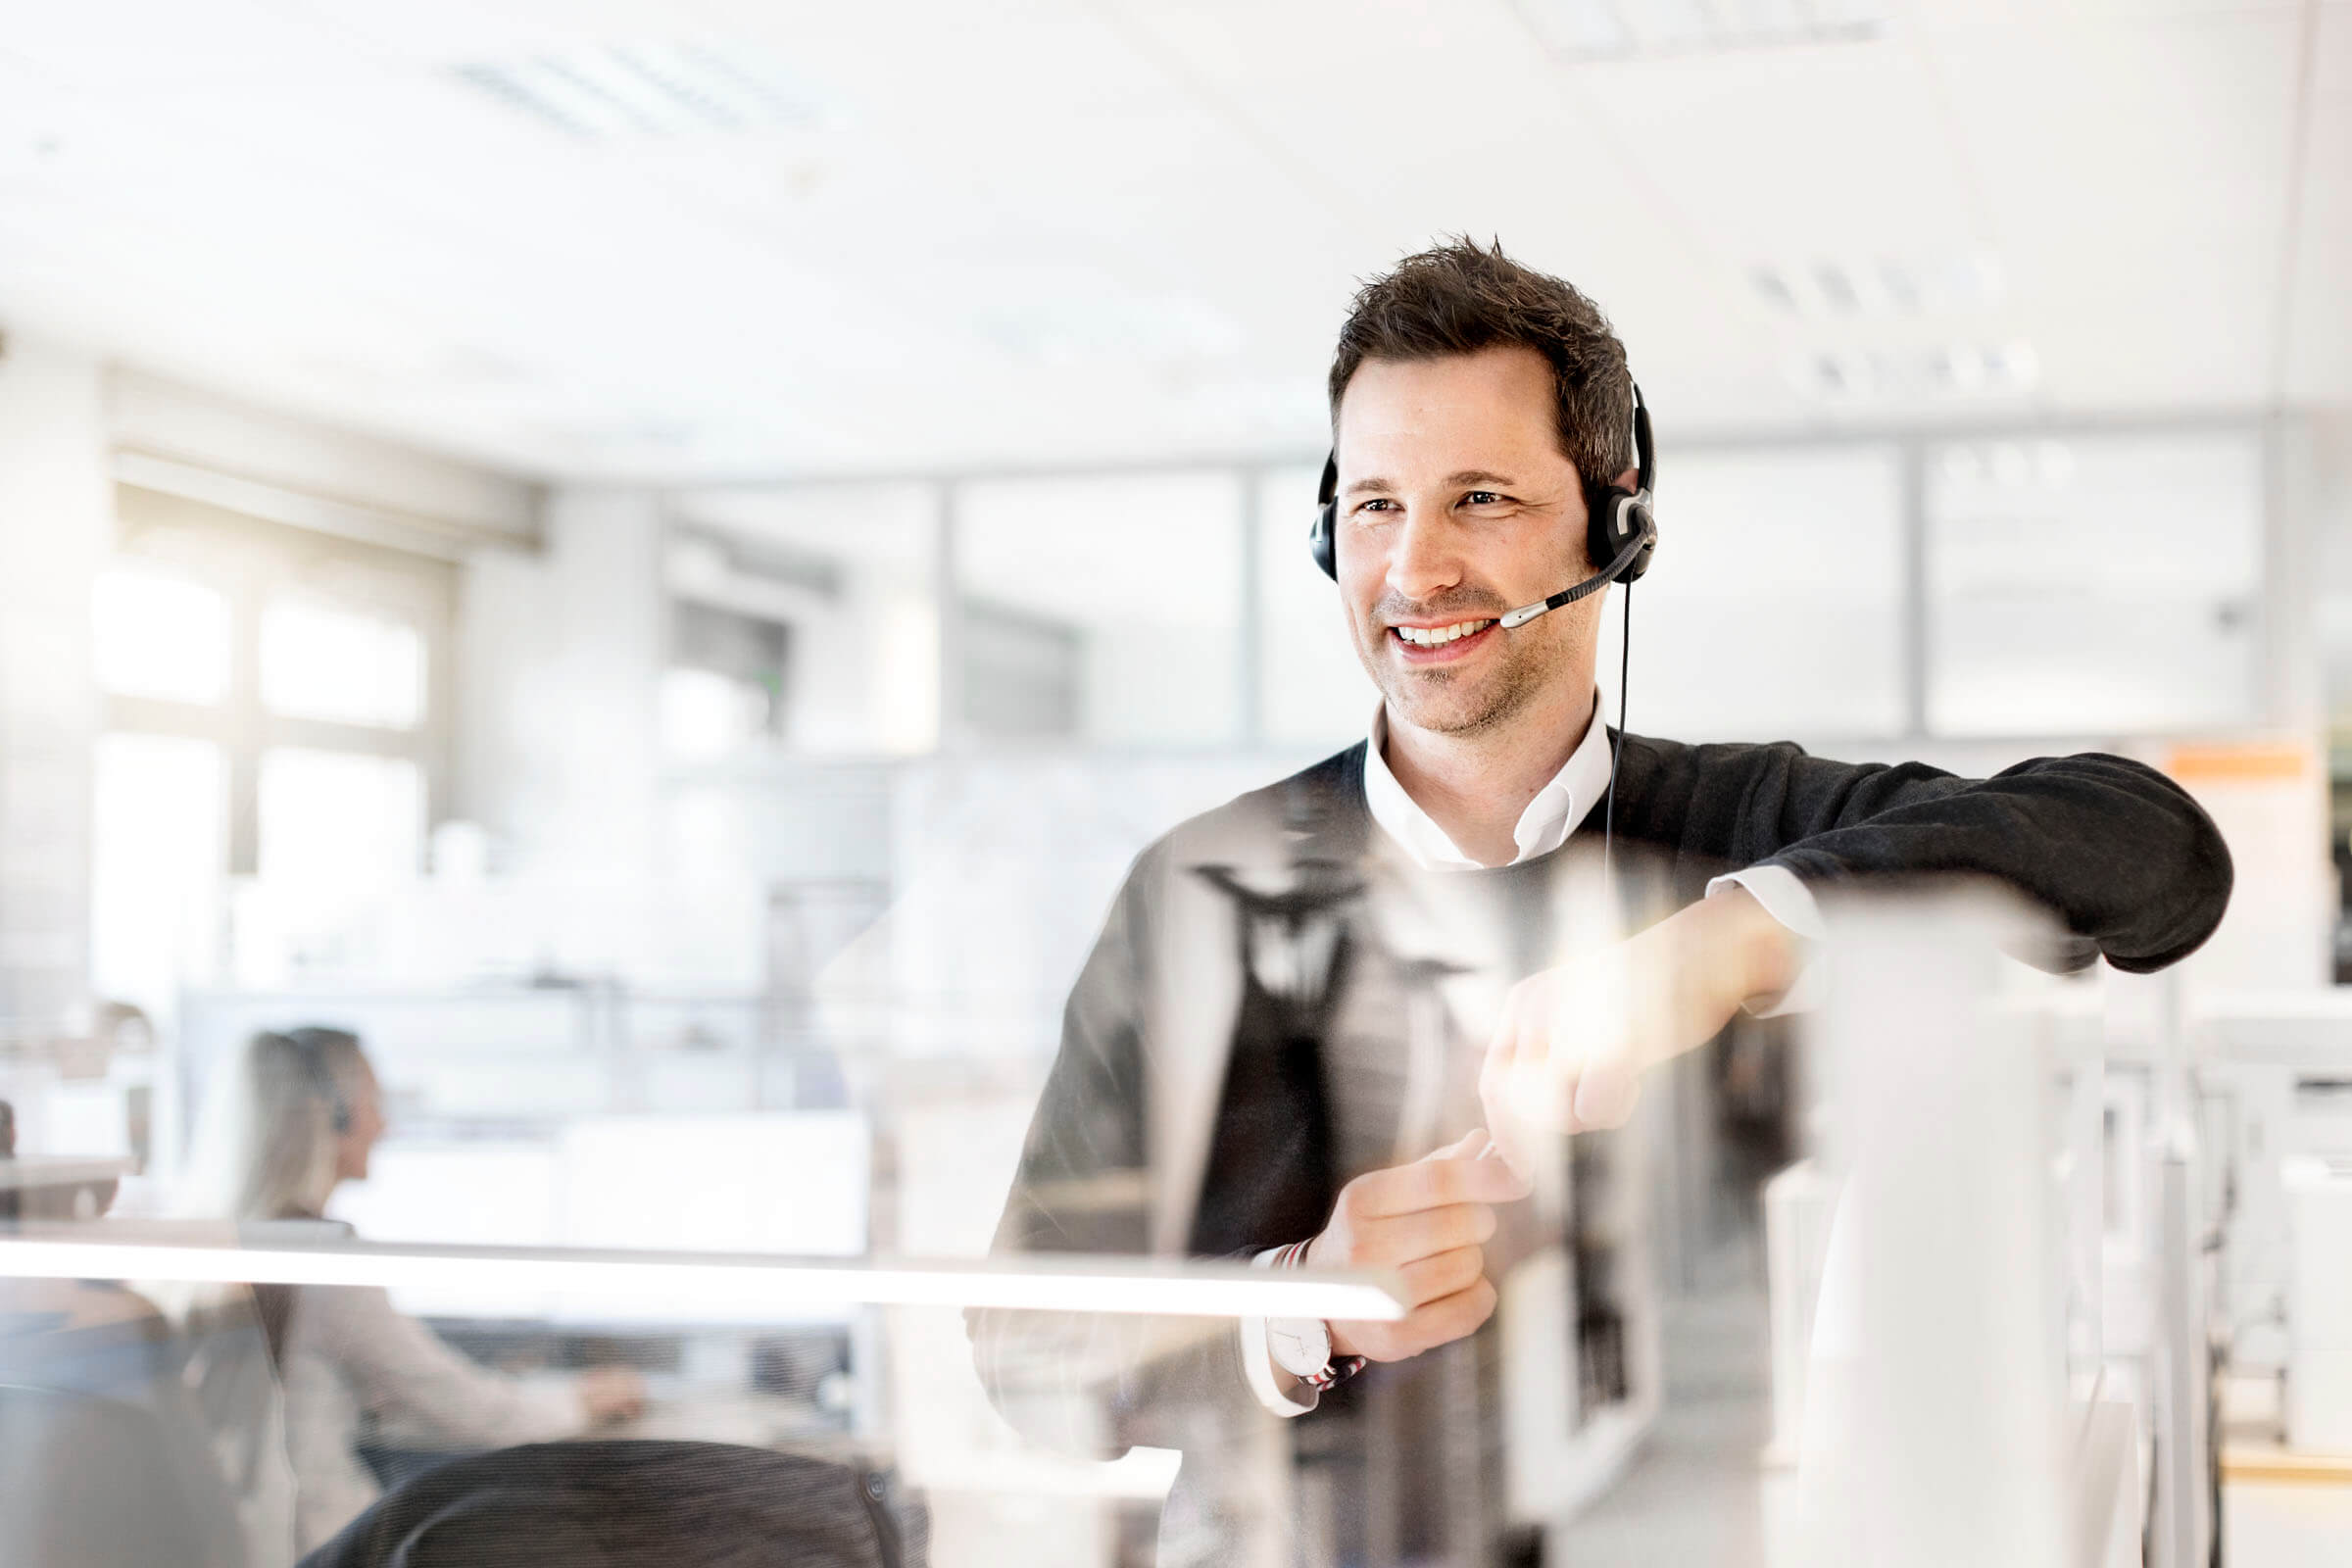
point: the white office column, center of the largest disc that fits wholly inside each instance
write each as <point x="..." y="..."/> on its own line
<point x="562" y="654"/>
<point x="1935" y="1399"/>
<point x="56" y="523"/>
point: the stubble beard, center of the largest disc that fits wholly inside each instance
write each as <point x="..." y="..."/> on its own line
<point x="1445" y="702"/>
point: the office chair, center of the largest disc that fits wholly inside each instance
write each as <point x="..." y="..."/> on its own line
<point x="617" y="1504"/>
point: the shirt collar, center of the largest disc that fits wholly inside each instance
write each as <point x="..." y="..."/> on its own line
<point x="1554" y="815"/>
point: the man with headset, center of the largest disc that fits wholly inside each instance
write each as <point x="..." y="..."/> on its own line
<point x="1334" y="1021"/>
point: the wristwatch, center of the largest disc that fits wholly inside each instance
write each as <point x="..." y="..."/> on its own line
<point x="1302" y="1346"/>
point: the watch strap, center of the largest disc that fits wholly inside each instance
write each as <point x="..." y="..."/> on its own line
<point x="1340" y="1368"/>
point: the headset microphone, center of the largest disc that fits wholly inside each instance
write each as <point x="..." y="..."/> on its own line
<point x="1646" y="539"/>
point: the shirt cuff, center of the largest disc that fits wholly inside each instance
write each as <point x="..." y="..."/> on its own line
<point x="1788" y="899"/>
<point x="1257" y="1360"/>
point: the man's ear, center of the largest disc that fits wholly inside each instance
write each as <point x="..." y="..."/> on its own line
<point x="1630" y="479"/>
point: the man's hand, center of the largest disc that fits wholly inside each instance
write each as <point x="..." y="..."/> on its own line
<point x="1574" y="1042"/>
<point x="1429" y="1222"/>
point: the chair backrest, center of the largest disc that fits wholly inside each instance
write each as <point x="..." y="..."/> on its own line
<point x="611" y="1503"/>
<point x="92" y="1481"/>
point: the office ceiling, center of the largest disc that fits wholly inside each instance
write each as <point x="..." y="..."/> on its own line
<point x="702" y="240"/>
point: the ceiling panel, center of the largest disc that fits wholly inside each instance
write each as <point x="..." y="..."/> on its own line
<point x="2134" y="175"/>
<point x="1058" y="231"/>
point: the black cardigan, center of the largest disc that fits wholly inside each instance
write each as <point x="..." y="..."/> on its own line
<point x="2128" y="864"/>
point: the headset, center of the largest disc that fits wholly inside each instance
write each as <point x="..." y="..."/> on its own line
<point x="1620" y="527"/>
<point x="310" y="1047"/>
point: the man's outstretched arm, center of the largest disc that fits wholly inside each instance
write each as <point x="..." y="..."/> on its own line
<point x="2133" y="870"/>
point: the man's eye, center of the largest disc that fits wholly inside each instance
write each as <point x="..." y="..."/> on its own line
<point x="1481" y="498"/>
<point x="1377" y="503"/>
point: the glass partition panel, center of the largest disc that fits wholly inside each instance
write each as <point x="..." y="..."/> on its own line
<point x="2093" y="585"/>
<point x="1106" y="609"/>
<point x="1773" y="607"/>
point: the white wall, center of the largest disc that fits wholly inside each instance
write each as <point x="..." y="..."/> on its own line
<point x="56" y="522"/>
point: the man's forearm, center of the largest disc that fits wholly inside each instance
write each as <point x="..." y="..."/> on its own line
<point x="1758" y="956"/>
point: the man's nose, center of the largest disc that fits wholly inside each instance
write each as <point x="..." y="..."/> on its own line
<point x="1423" y="561"/>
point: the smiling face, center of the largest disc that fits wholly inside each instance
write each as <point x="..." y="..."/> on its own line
<point x="1455" y="503"/>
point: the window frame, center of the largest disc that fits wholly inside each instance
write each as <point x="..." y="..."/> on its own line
<point x="250" y="562"/>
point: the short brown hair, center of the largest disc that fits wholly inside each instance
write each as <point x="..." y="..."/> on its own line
<point x="1458" y="298"/>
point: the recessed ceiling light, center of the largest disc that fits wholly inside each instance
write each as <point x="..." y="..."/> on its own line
<point x="1835" y="287"/>
<point x="1772" y="288"/>
<point x="650" y="90"/>
<point x="1944" y="372"/>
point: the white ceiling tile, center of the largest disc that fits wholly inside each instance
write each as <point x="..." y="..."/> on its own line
<point x="1046" y="230"/>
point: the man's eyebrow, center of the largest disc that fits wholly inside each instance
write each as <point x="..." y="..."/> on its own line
<point x="1375" y="483"/>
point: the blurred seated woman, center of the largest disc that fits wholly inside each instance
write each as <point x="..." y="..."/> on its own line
<point x="311" y="1113"/>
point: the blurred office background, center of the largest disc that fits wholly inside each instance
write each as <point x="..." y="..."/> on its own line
<point x="659" y="561"/>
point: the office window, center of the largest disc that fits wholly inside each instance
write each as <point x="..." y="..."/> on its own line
<point x="272" y="742"/>
<point x="2094" y="585"/>
<point x="160" y="637"/>
<point x="1313" y="688"/>
<point x="1128" y="587"/>
<point x="327" y="661"/>
<point x="1772" y="608"/>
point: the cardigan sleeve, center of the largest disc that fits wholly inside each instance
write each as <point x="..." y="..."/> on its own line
<point x="2129" y="865"/>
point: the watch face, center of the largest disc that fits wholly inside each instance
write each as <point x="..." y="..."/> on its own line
<point x="1302" y="1346"/>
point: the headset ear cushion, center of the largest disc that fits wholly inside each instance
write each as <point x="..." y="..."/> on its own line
<point x="1319" y="539"/>
<point x="1644" y="522"/>
<point x="1615" y="518"/>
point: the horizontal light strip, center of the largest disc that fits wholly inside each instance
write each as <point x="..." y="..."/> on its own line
<point x="1090" y="1284"/>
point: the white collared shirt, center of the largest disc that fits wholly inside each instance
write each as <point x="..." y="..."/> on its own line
<point x="1558" y="807"/>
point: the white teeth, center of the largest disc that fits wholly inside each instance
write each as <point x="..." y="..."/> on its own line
<point x="1438" y="636"/>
